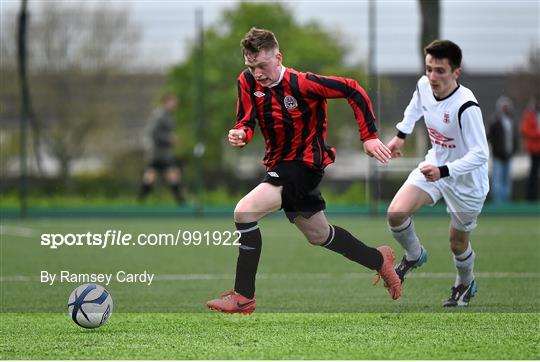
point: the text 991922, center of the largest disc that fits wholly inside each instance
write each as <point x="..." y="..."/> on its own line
<point x="111" y="238"/>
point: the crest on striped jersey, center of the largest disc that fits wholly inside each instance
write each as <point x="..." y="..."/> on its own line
<point x="290" y="102"/>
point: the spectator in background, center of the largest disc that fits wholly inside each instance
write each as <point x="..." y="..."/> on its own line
<point x="160" y="146"/>
<point x="530" y="130"/>
<point x="504" y="140"/>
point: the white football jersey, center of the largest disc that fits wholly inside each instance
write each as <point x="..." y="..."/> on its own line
<point x="457" y="134"/>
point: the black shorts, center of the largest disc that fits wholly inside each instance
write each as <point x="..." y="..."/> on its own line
<point x="301" y="195"/>
<point x="162" y="165"/>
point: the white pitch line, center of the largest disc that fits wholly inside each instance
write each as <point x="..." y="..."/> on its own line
<point x="18" y="231"/>
<point x="482" y="275"/>
<point x="318" y="276"/>
<point x="18" y="278"/>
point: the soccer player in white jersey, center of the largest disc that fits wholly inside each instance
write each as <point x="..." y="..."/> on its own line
<point x="454" y="169"/>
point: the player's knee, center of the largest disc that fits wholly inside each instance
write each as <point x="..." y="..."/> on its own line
<point x="239" y="213"/>
<point x="243" y="212"/>
<point x="173" y="179"/>
<point x="149" y="177"/>
<point x="395" y="217"/>
<point x="173" y="176"/>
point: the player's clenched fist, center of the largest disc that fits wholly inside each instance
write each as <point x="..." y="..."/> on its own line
<point x="431" y="172"/>
<point x="237" y="137"/>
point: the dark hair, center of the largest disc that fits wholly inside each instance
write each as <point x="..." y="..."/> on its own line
<point x="256" y="40"/>
<point x="441" y="49"/>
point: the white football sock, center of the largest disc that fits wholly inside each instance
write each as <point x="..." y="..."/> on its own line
<point x="464" y="265"/>
<point x="406" y="237"/>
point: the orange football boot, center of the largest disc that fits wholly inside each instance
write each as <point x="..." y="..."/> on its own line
<point x="232" y="302"/>
<point x="387" y="272"/>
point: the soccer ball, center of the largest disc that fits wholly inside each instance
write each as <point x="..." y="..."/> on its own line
<point x="90" y="305"/>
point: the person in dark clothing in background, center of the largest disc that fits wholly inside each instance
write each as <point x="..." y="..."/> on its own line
<point x="160" y="145"/>
<point x="503" y="137"/>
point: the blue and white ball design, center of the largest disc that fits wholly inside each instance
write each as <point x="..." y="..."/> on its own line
<point x="90" y="305"/>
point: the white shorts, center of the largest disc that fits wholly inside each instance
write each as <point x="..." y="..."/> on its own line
<point x="463" y="209"/>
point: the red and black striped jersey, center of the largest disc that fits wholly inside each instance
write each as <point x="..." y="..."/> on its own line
<point x="292" y="115"/>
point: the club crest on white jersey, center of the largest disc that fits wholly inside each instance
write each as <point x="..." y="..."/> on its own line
<point x="446" y="118"/>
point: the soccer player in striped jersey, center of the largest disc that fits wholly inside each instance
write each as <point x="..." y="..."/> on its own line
<point x="290" y="108"/>
<point x="454" y="169"/>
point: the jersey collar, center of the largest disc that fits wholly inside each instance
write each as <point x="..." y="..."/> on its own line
<point x="280" y="77"/>
<point x="448" y="96"/>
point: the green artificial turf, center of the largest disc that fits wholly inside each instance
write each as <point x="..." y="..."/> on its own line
<point x="275" y="336"/>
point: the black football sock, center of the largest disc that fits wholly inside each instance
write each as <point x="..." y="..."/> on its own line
<point x="249" y="253"/>
<point x="178" y="195"/>
<point x="342" y="242"/>
<point x="145" y="190"/>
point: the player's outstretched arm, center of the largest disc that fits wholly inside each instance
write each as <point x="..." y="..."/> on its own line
<point x="375" y="148"/>
<point x="237" y="137"/>
<point x="395" y="145"/>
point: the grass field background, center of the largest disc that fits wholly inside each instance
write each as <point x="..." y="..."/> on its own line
<point x="311" y="303"/>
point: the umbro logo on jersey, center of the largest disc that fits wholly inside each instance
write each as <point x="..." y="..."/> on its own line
<point x="438" y="136"/>
<point x="273" y="174"/>
<point x="259" y="94"/>
<point x="290" y="102"/>
<point x="440" y="139"/>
